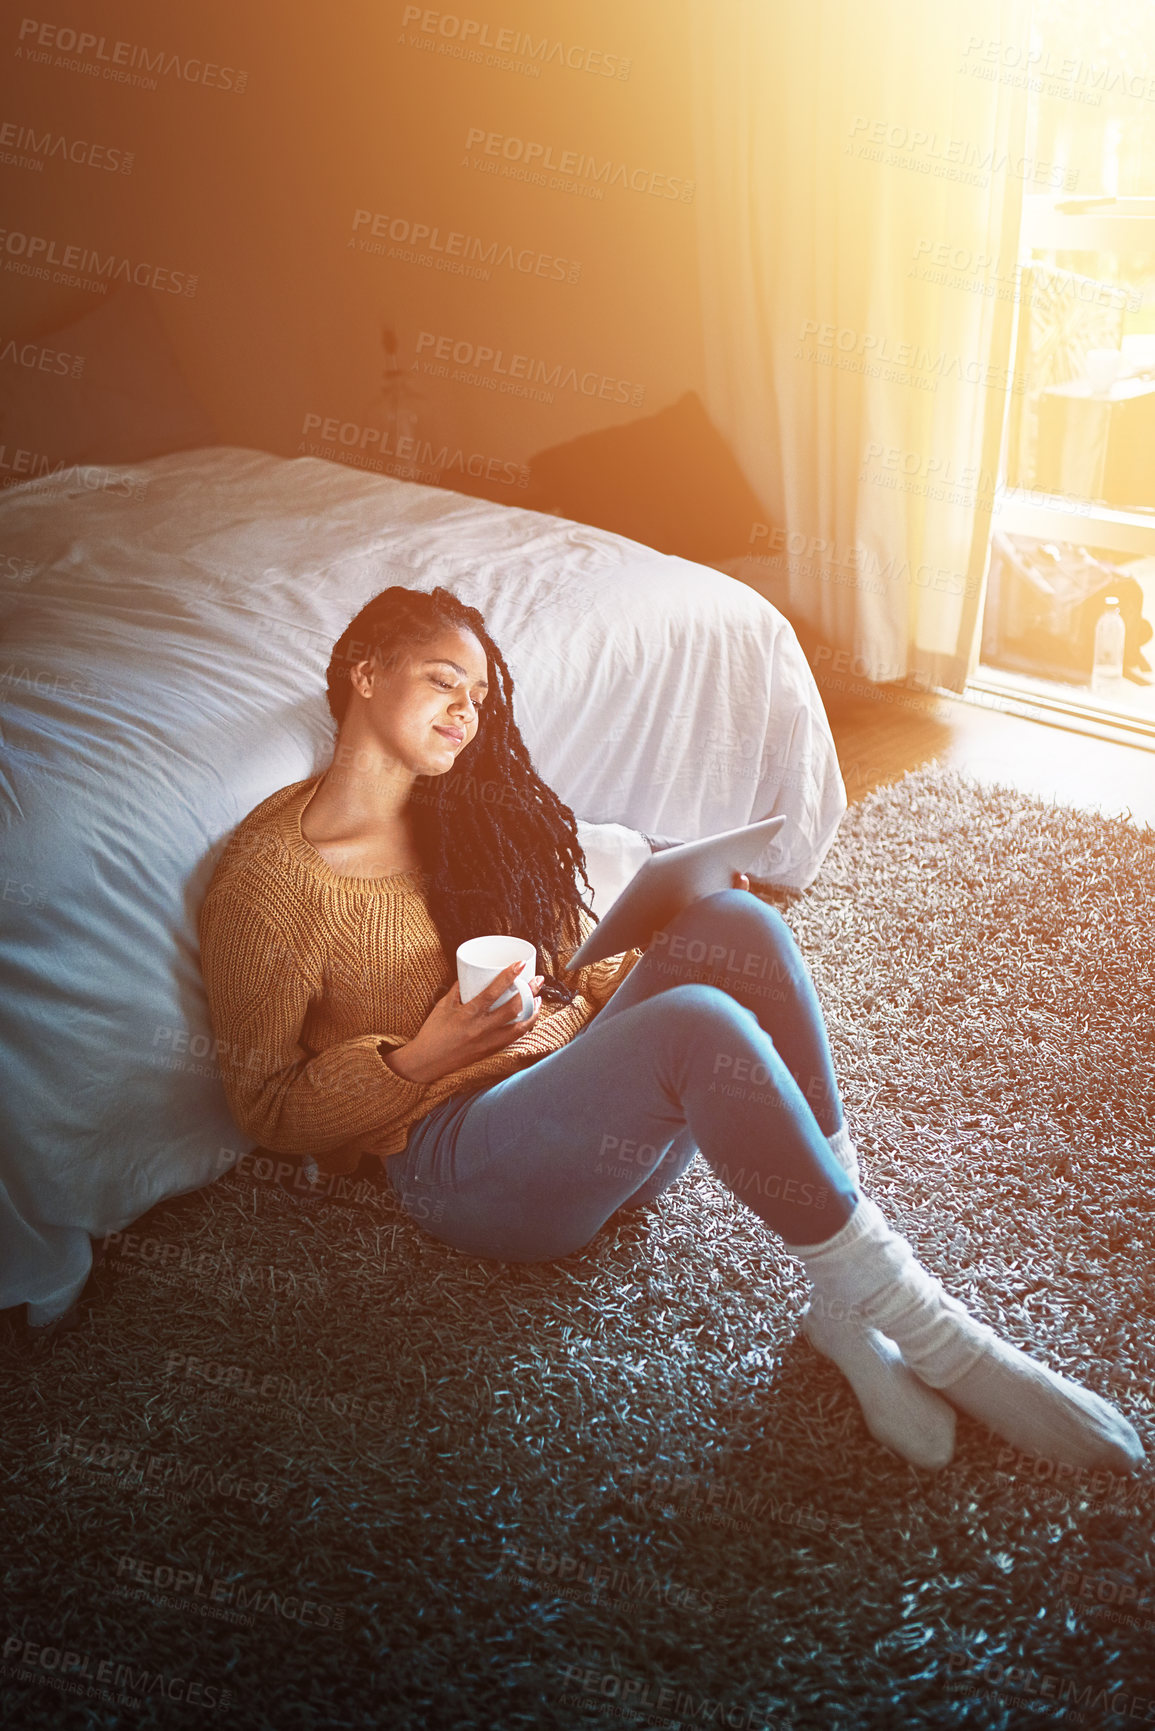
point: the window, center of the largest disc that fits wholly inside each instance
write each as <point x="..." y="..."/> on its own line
<point x="1076" y="516"/>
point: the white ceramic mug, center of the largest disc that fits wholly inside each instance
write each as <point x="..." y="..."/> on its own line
<point x="480" y="960"/>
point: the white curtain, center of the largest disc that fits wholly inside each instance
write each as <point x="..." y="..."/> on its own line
<point x="861" y="170"/>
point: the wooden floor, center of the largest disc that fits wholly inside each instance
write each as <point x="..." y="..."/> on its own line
<point x="881" y="732"/>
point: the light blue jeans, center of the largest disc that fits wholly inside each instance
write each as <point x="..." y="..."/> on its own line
<point x="713" y="1042"/>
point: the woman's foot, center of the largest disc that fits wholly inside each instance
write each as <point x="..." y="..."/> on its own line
<point x="900" y="1411"/>
<point x="868" y="1274"/>
<point x="1045" y="1414"/>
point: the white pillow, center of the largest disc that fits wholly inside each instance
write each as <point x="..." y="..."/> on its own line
<point x="613" y="854"/>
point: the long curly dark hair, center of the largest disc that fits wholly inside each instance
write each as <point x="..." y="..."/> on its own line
<point x="501" y="850"/>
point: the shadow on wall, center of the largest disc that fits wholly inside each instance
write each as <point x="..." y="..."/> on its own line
<point x="105" y="388"/>
<point x="669" y="480"/>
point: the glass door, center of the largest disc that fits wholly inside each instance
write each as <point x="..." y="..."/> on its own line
<point x="1069" y="616"/>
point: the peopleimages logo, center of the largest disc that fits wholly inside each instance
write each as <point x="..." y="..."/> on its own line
<point x="22" y="467"/>
<point x="40" y="358"/>
<point x="633" y="1695"/>
<point x="44" y="146"/>
<point x="469" y="35"/>
<point x="31" y="1659"/>
<point x="1022" y="1684"/>
<point x="622" y="1585"/>
<point x="238" y="1379"/>
<point x="36" y="254"/>
<point x="518" y="374"/>
<point x="580" y="165"/>
<point x="990" y="57"/>
<point x="462" y="254"/>
<point x="957" y="159"/>
<point x="142" y="1467"/>
<point x="236" y="1594"/>
<point x="122" y="62"/>
<point x="363" y="441"/>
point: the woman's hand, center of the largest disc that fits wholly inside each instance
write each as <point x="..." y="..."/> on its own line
<point x="454" y="1035"/>
<point x="741" y="882"/>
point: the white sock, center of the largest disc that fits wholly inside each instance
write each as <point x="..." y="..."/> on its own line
<point x="844" y="1151"/>
<point x="1045" y="1414"/>
<point x="867" y="1271"/>
<point x="899" y="1410"/>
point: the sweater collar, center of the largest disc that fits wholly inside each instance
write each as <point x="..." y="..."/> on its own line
<point x="289" y="828"/>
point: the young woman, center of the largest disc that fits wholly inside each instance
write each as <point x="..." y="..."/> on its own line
<point x="329" y="935"/>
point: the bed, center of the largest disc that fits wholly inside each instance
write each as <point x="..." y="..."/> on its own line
<point x="166" y="627"/>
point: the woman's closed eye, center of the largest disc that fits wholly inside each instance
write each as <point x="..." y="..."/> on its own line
<point x="447" y="685"/>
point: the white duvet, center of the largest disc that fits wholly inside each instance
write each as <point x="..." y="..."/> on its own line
<point x="165" y="631"/>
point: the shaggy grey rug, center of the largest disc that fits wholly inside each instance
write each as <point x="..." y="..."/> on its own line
<point x="296" y="1464"/>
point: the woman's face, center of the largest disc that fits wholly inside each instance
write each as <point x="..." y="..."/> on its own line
<point x="423" y="707"/>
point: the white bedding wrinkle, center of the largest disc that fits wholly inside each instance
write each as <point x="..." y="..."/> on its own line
<point x="167" y="650"/>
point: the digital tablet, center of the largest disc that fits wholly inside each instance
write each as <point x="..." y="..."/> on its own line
<point x="668" y="882"/>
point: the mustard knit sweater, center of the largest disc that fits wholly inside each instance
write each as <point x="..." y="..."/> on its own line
<point x="310" y="973"/>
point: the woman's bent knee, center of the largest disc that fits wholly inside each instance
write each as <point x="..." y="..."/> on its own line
<point x="720" y="932"/>
<point x="725" y="907"/>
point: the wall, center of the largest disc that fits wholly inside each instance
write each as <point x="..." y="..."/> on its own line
<point x="308" y="187"/>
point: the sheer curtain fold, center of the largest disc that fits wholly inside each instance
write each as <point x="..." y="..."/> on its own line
<point x="860" y="171"/>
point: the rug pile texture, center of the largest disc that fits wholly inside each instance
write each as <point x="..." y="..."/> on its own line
<point x="296" y="1464"/>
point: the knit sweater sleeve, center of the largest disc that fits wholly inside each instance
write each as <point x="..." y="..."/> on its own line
<point x="287" y="1099"/>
